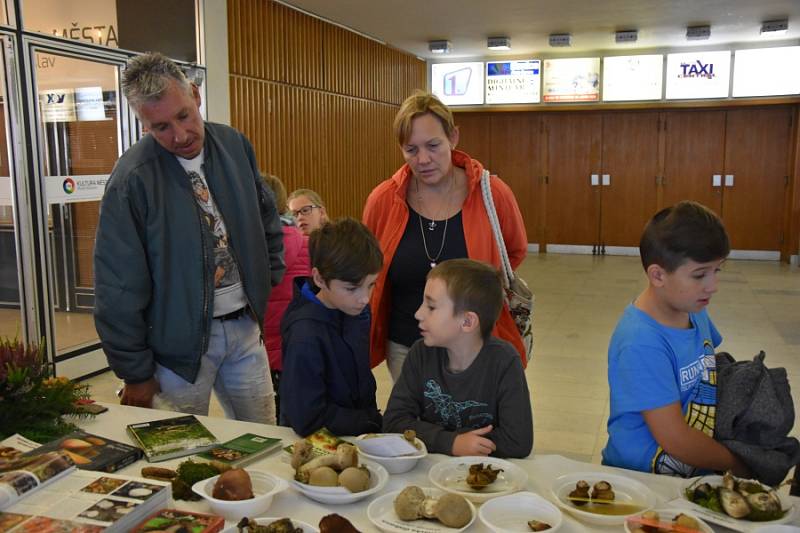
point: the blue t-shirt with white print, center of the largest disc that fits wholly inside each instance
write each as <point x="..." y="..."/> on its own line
<point x="650" y="366"/>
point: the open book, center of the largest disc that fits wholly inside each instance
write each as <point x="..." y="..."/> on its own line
<point x="22" y="475"/>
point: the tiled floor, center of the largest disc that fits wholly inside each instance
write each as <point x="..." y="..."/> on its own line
<point x="578" y="301"/>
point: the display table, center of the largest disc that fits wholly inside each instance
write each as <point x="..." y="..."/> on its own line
<point x="541" y="470"/>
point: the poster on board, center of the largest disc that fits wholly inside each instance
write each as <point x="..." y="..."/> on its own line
<point x="698" y="75"/>
<point x="766" y="71"/>
<point x="458" y="83"/>
<point x="572" y="80"/>
<point x="628" y="78"/>
<point x="513" y="82"/>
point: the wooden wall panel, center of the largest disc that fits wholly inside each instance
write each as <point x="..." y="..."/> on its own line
<point x="317" y="101"/>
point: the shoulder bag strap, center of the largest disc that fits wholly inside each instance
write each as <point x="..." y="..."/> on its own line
<point x="505" y="264"/>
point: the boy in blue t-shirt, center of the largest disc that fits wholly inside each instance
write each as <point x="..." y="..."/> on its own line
<point x="661" y="366"/>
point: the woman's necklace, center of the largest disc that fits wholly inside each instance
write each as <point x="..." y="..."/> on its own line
<point x="432" y="222"/>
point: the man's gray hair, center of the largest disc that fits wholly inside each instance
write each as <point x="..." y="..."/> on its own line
<point x="147" y="77"/>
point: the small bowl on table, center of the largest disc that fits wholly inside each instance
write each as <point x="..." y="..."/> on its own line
<point x="397" y="464"/>
<point x="512" y="512"/>
<point x="265" y="487"/>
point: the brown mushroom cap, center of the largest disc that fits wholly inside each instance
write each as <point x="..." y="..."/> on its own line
<point x="408" y="504"/>
<point x="354" y="479"/>
<point x="323" y="476"/>
<point x="453" y="510"/>
<point x="233" y="485"/>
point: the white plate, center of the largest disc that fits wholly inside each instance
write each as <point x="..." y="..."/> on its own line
<point x="451" y="476"/>
<point x="395" y="465"/>
<point x="265" y="521"/>
<point x="265" y="486"/>
<point x="381" y="513"/>
<point x="378" y="476"/>
<point x="739" y="524"/>
<point x="627" y="490"/>
<point x="668" y="515"/>
<point x="511" y="513"/>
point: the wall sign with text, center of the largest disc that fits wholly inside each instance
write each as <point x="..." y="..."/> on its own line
<point x="698" y="75"/>
<point x="458" y="83"/>
<point x="572" y="80"/>
<point x="513" y="82"/>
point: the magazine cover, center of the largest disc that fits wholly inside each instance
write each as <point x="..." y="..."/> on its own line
<point x="172" y="437"/>
<point x="23" y="475"/>
<point x="242" y="450"/>
<point x="91" y="452"/>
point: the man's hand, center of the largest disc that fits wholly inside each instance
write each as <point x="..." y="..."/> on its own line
<point x="473" y="443"/>
<point x="140" y="394"/>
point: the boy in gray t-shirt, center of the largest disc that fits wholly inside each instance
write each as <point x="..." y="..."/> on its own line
<point x="463" y="391"/>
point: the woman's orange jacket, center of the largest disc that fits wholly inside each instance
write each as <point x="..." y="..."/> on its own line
<point x="386" y="214"/>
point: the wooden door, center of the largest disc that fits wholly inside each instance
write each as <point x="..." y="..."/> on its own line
<point x="695" y="148"/>
<point x="475" y="135"/>
<point x="516" y="158"/>
<point x="630" y="158"/>
<point x="573" y="155"/>
<point x="757" y="147"/>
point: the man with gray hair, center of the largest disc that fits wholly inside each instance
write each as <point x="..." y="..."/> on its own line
<point x="188" y="245"/>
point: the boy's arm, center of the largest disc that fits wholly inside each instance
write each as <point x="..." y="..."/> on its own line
<point x="688" y="444"/>
<point x="513" y="429"/>
<point x="406" y="406"/>
<point x="304" y="398"/>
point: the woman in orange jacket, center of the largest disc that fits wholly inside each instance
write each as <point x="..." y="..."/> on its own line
<point x="432" y="210"/>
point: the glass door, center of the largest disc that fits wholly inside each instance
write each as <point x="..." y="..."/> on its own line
<point x="80" y="135"/>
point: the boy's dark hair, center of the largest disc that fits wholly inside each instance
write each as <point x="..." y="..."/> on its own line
<point x="345" y="250"/>
<point x="473" y="286"/>
<point x="687" y="230"/>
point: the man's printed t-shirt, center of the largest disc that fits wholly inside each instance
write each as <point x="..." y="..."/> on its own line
<point x="651" y="366"/>
<point x="228" y="290"/>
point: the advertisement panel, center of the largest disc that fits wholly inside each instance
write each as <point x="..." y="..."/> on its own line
<point x="458" y="83"/>
<point x="513" y="82"/>
<point x="766" y="71"/>
<point x="572" y="80"/>
<point x="698" y="75"/>
<point x="632" y="77"/>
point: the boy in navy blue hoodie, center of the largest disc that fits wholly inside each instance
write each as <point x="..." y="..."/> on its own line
<point x="327" y="380"/>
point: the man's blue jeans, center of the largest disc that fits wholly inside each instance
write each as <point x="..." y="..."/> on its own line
<point x="235" y="367"/>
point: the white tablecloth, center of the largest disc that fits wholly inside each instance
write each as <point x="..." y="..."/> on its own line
<point x="542" y="470"/>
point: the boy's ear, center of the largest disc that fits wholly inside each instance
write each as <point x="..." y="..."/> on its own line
<point x="470" y="322"/>
<point x="656" y="275"/>
<point x="317" y="277"/>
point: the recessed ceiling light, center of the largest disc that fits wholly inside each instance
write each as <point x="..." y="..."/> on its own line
<point x="698" y="33"/>
<point x="439" y="47"/>
<point x="775" y="27"/>
<point x="498" y="43"/>
<point x="560" y="39"/>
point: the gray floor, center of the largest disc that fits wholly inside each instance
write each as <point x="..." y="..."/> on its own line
<point x="578" y="301"/>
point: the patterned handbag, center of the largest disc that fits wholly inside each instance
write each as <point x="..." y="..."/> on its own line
<point x="518" y="296"/>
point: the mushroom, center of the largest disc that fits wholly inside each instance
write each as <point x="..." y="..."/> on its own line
<point x="354" y="479"/>
<point x="323" y="476"/>
<point x="451" y="510"/>
<point x="302" y="452"/>
<point x="580" y="495"/>
<point x="233" y="485"/>
<point x="346" y="455"/>
<point x="602" y="491"/>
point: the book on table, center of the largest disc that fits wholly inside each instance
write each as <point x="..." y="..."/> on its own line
<point x="322" y="441"/>
<point x="168" y="438"/>
<point x="92" y="452"/>
<point x="181" y="521"/>
<point x="242" y="450"/>
<point x="46" y="493"/>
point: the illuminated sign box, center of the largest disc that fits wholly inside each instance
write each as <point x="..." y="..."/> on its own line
<point x="698" y="75"/>
<point x="632" y="77"/>
<point x="766" y="71"/>
<point x="458" y="83"/>
<point x="572" y="80"/>
<point x="513" y="82"/>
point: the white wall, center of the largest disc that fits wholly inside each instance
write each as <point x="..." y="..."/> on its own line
<point x="218" y="101"/>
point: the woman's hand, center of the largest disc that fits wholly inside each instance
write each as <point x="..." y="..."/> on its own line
<point x="473" y="443"/>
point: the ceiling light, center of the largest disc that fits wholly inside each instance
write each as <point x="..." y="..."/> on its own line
<point x="560" y="39"/>
<point x="698" y="33"/>
<point x="775" y="27"/>
<point x="498" y="43"/>
<point x="439" y="47"/>
<point x="626" y="36"/>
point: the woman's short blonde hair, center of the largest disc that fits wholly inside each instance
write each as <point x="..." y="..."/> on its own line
<point x="278" y="189"/>
<point x="315" y="198"/>
<point x="418" y="104"/>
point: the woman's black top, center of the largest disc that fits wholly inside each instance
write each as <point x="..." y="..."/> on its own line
<point x="410" y="266"/>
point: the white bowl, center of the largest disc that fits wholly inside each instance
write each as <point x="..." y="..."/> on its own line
<point x="627" y="490"/>
<point x="450" y="475"/>
<point x="265" y="521"/>
<point x="265" y="486"/>
<point x="738" y="524"/>
<point x="378" y="476"/>
<point x="668" y="515"/>
<point x="511" y="513"/>
<point x="381" y="513"/>
<point x="394" y="465"/>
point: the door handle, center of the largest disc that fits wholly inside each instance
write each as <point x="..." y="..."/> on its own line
<point x="595" y="180"/>
<point x="716" y="180"/>
<point x="729" y="180"/>
<point x="606" y="180"/>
